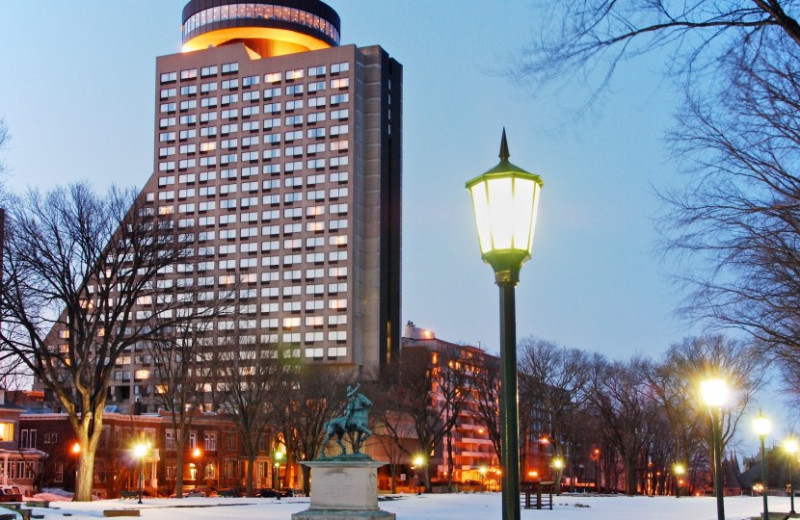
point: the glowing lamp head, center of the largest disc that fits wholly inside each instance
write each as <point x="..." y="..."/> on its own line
<point x="679" y="469"/>
<point x="762" y="425"/>
<point x="140" y="450"/>
<point x="558" y="463"/>
<point x="505" y="201"/>
<point x="791" y="446"/>
<point x="419" y="461"/>
<point x="714" y="392"/>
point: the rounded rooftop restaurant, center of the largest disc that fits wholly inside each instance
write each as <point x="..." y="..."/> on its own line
<point x="269" y="28"/>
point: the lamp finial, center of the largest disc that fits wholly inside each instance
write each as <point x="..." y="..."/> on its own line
<point x="504" y="155"/>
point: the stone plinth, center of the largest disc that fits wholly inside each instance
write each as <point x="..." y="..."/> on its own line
<point x="343" y="490"/>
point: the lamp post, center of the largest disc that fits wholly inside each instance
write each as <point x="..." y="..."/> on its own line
<point x="558" y="465"/>
<point x="505" y="202"/>
<point x="419" y="461"/>
<point x="679" y="470"/>
<point x="197" y="455"/>
<point x="791" y="446"/>
<point x="76" y="450"/>
<point x="276" y="472"/>
<point x="762" y="427"/>
<point x="139" y="452"/>
<point x="715" y="394"/>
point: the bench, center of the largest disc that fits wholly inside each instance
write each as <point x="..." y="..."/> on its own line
<point x="538" y="496"/>
<point x="121" y="512"/>
<point x="128" y="494"/>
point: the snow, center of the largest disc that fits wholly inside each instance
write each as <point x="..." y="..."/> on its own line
<point x="470" y="506"/>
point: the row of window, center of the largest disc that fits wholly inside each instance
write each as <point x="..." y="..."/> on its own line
<point x="339" y="146"/>
<point x="254" y="187"/>
<point x="270" y="138"/>
<point x="232" y="114"/>
<point x="253" y="110"/>
<point x="256" y="11"/>
<point x="315" y="179"/>
<point x="251" y="157"/>
<point x="315" y="71"/>
<point x="312" y="87"/>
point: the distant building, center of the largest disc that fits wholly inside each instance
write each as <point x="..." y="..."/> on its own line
<point x="20" y="460"/>
<point x="282" y="150"/>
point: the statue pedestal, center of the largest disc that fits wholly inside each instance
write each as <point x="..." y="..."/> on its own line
<point x="344" y="490"/>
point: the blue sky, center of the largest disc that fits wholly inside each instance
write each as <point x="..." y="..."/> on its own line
<point x="77" y="92"/>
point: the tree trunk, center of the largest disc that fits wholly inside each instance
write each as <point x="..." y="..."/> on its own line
<point x="251" y="463"/>
<point x="306" y="479"/>
<point x="179" y="473"/>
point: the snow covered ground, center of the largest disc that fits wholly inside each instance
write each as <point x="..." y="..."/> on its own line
<point x="473" y="506"/>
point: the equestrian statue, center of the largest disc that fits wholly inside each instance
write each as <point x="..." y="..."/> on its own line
<point x="354" y="421"/>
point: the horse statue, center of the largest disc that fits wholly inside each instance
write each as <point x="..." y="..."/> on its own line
<point x="354" y="421"/>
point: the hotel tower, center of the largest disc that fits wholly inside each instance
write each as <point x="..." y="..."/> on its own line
<point x="282" y="150"/>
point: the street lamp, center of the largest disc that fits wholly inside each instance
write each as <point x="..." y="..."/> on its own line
<point x="791" y="446"/>
<point x="419" y="461"/>
<point x="715" y="395"/>
<point x="139" y="451"/>
<point x="197" y="455"/>
<point x="679" y="470"/>
<point x="76" y="450"/>
<point x="276" y="472"/>
<point x="483" y="470"/>
<point x="505" y="202"/>
<point x="762" y="426"/>
<point x="558" y="465"/>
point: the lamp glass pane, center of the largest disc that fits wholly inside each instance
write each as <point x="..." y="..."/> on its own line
<point x="480" y="206"/>
<point x="714" y="392"/>
<point x="762" y="425"/>
<point x="501" y="212"/>
<point x="534" y="213"/>
<point x="524" y="190"/>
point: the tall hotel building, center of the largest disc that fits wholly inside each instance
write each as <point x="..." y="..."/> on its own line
<point x="283" y="150"/>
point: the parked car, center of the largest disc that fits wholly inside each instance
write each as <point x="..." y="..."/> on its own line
<point x="10" y="494"/>
<point x="231" y="493"/>
<point x="269" y="493"/>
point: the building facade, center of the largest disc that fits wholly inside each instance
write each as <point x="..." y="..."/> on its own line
<point x="280" y="150"/>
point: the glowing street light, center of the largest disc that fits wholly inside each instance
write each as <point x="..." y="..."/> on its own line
<point x="276" y="473"/>
<point x="679" y="470"/>
<point x="419" y="462"/>
<point x="762" y="426"/>
<point x="139" y="451"/>
<point x="505" y="201"/>
<point x="791" y="447"/>
<point x="558" y="465"/>
<point x="715" y="395"/>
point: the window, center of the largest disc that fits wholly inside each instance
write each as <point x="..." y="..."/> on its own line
<point x="188" y="74"/>
<point x="189" y="90"/>
<point x="340" y="83"/>
<point x="272" y="108"/>
<point x="337" y="99"/>
<point x="337" y="68"/>
<point x="316" y="117"/>
<point x="273" y="77"/>
<point x="294" y="90"/>
<point x="294" y="74"/>
<point x="208" y="87"/>
<point x="295" y="120"/>
<point x="227" y="99"/>
<point x="252" y="95"/>
<point x="210" y="441"/>
<point x="208" y="71"/>
<point x="317" y="86"/>
<point x="272" y="123"/>
<point x="167" y="77"/>
<point x="249" y="81"/>
<point x="296" y="104"/>
<point x="27" y="439"/>
<point x="230" y="68"/>
<point x="340" y="114"/>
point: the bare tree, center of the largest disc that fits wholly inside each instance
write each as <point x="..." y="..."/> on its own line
<point x="392" y="428"/>
<point x="622" y="403"/>
<point x="181" y="360"/>
<point x="77" y="269"/>
<point x="486" y="399"/>
<point x="553" y="380"/>
<point x="317" y="397"/>
<point x="252" y="379"/>
<point x="431" y="387"/>
<point x="738" y="134"/>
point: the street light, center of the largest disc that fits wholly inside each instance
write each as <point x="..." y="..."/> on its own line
<point x="419" y="461"/>
<point x="276" y="472"/>
<point x="76" y="450"/>
<point x="139" y="451"/>
<point x="558" y="465"/>
<point x="715" y="395"/>
<point x="197" y="455"/>
<point x="679" y="470"/>
<point x="762" y="426"/>
<point x="791" y="446"/>
<point x="505" y="202"/>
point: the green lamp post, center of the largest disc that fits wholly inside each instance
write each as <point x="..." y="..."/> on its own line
<point x="505" y="201"/>
<point x="715" y="395"/>
<point x="762" y="426"/>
